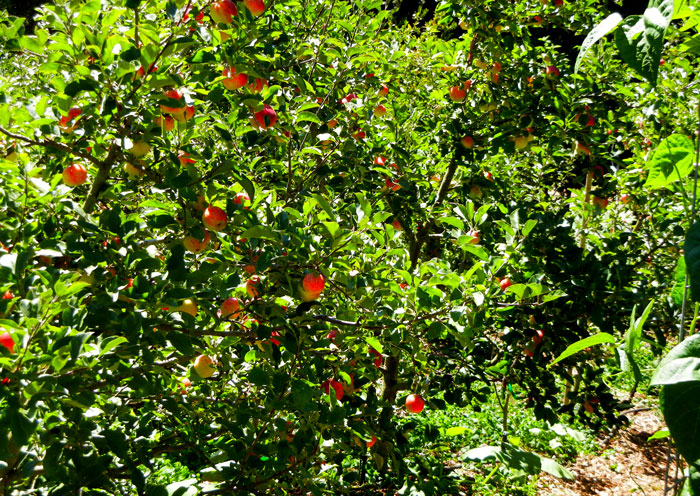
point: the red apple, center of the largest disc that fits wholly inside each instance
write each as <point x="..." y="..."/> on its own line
<point x="203" y="366"/>
<point x="223" y="11"/>
<point x="337" y="387"/>
<point x="74" y="175"/>
<point x="168" y="123"/>
<point x="379" y="161"/>
<point x="384" y="90"/>
<point x="625" y="198"/>
<point x="174" y="95"/>
<point x="379" y="111"/>
<point x="551" y="72"/>
<point x="505" y="283"/>
<point x="397" y="225"/>
<point x="358" y="135"/>
<point x="600" y="202"/>
<point x="332" y="335"/>
<point x="214" y="218"/>
<point x="377" y="361"/>
<point x="313" y="283"/>
<point x="8" y="295"/>
<point x="230" y="308"/>
<point x="242" y="198"/>
<point x="252" y="287"/>
<point x="7" y="341"/>
<point x="371" y="443"/>
<point x="233" y="79"/>
<point x="257" y="85"/>
<point x="272" y="339"/>
<point x="476" y="237"/>
<point x="457" y="94"/>
<point x="391" y="184"/>
<point x="186" y="115"/>
<point x="256" y="7"/>
<point x="195" y="245"/>
<point x="184" y="159"/>
<point x="414" y="403"/>
<point x="267" y="117"/>
<point x="467" y="142"/>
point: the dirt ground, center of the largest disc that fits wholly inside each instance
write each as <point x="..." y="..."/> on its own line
<point x="626" y="464"/>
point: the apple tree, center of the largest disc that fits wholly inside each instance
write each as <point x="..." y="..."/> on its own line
<point x="240" y="236"/>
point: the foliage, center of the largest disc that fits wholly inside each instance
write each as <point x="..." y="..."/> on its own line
<point x="111" y="298"/>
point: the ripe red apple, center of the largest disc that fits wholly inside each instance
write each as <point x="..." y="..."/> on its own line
<point x="414" y="403"/>
<point x="256" y="7"/>
<point x="591" y="121"/>
<point x="337" y="387"/>
<point x="8" y="295"/>
<point x="332" y="334"/>
<point x="467" y="142"/>
<point x="397" y="225"/>
<point x="371" y="443"/>
<point x="377" y="361"/>
<point x="267" y="117"/>
<point x="252" y="287"/>
<point x="74" y="175"/>
<point x="476" y="237"/>
<point x="457" y="94"/>
<point x="242" y="198"/>
<point x="168" y="123"/>
<point x="186" y="115"/>
<point x="505" y="283"/>
<point x="7" y="341"/>
<point x="551" y="72"/>
<point x="488" y="175"/>
<point x="195" y="245"/>
<point x="358" y="135"/>
<point x="65" y="120"/>
<point x="537" y="338"/>
<point x="332" y="123"/>
<point x="379" y="111"/>
<point x="214" y="218"/>
<point x="313" y="283"/>
<point x="600" y="202"/>
<point x="185" y="159"/>
<point x="257" y="85"/>
<point x="391" y="184"/>
<point x="379" y="161"/>
<point x="384" y="90"/>
<point x="230" y="309"/>
<point x="174" y="95"/>
<point x="223" y="11"/>
<point x="582" y="149"/>
<point x="203" y="366"/>
<point x="276" y="342"/>
<point x="233" y="79"/>
<point x="625" y="198"/>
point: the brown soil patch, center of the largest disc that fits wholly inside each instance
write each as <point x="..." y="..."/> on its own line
<point x="627" y="464"/>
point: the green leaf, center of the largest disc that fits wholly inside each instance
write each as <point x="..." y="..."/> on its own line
<point x="692" y="259"/>
<point x="680" y="405"/>
<point x="260" y="232"/>
<point x="603" y="28"/>
<point x="672" y="161"/>
<point x="374" y="343"/>
<point x="600" y="338"/>
<point x="456" y="431"/>
<point x="308" y="116"/>
<point x="258" y="376"/>
<point x="660" y="434"/>
<point x="682" y="364"/>
<point x="678" y="290"/>
<point x="640" y="39"/>
<point x="111" y="343"/>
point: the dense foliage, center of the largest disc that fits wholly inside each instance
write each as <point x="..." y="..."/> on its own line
<point x="296" y="217"/>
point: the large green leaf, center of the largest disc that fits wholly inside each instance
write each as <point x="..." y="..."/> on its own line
<point x="672" y="161"/>
<point x="640" y="38"/>
<point x="682" y="364"/>
<point x="604" y="27"/>
<point x="692" y="259"/>
<point x="680" y="405"/>
<point x="600" y="338"/>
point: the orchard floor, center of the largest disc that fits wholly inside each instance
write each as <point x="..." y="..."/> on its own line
<point x="626" y="464"/>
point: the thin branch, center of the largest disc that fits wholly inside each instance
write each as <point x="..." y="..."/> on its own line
<point x="49" y="144"/>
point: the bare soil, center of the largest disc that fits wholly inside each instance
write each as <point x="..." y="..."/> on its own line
<point x="626" y="464"/>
